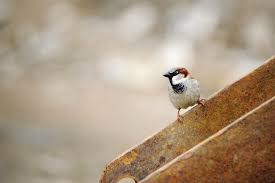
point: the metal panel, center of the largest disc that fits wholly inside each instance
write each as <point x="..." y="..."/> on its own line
<point x="195" y="126"/>
<point x="241" y="152"/>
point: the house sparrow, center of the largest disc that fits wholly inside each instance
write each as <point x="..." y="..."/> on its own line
<point x="184" y="90"/>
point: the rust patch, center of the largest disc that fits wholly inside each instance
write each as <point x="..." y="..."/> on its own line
<point x="196" y="125"/>
<point x="129" y="158"/>
<point x="161" y="159"/>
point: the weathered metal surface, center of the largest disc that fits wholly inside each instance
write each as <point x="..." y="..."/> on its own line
<point x="244" y="151"/>
<point x="195" y="126"/>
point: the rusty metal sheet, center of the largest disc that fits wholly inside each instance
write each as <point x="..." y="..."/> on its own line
<point x="196" y="125"/>
<point x="241" y="152"/>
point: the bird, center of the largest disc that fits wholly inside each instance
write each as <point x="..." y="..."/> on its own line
<point x="184" y="90"/>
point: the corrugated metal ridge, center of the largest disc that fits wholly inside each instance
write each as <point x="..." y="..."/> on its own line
<point x="243" y="151"/>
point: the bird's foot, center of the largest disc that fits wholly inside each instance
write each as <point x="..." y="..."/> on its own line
<point x="201" y="102"/>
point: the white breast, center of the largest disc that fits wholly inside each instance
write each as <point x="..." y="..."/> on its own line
<point x="187" y="98"/>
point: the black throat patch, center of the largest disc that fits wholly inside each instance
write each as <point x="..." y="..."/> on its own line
<point x="177" y="88"/>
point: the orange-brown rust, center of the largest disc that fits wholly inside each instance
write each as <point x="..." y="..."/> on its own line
<point x="241" y="152"/>
<point x="196" y="125"/>
<point x="129" y="157"/>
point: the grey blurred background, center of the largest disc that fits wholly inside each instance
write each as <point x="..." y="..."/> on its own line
<point x="81" y="80"/>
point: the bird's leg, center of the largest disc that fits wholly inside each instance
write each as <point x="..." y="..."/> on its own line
<point x="178" y="114"/>
<point x="201" y="102"/>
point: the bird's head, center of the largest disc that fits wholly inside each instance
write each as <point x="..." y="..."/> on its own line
<point x="176" y="72"/>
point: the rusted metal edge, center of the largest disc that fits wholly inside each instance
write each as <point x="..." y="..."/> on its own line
<point x="243" y="151"/>
<point x="196" y="125"/>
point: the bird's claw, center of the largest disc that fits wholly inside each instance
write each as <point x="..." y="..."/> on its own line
<point x="201" y="102"/>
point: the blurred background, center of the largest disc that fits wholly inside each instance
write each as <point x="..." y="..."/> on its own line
<point x="81" y="80"/>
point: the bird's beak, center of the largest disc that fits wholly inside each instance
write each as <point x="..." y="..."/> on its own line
<point x="166" y="75"/>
